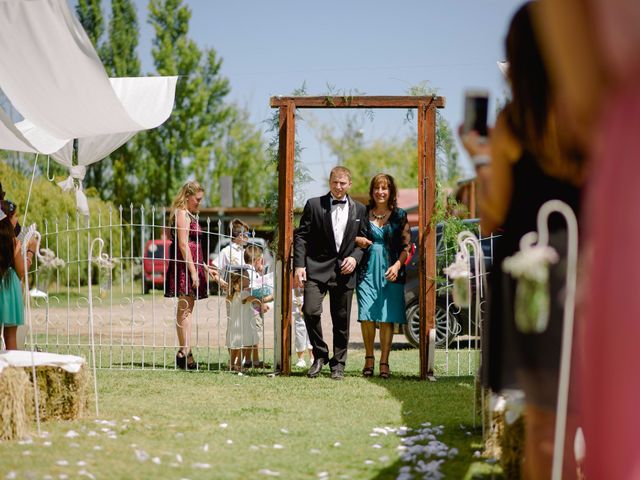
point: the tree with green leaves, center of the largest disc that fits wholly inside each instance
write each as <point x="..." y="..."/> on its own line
<point x="186" y="140"/>
<point x="120" y="58"/>
<point x="241" y="155"/>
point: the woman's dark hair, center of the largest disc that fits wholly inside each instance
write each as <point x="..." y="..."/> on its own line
<point x="7" y="235"/>
<point x="528" y="111"/>
<point x="393" y="191"/>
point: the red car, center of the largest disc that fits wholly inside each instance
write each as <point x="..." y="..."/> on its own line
<point x="155" y="263"/>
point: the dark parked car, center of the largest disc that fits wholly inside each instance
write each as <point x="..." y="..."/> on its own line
<point x="449" y="322"/>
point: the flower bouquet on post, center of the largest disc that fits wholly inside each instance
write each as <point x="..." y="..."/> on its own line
<point x="460" y="273"/>
<point x="105" y="266"/>
<point x="48" y="263"/>
<point x="530" y="268"/>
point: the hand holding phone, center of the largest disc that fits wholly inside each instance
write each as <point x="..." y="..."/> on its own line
<point x="476" y="109"/>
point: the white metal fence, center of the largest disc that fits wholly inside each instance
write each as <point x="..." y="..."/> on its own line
<point x="135" y="324"/>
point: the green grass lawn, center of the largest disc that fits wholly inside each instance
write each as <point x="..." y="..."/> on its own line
<point x="168" y="424"/>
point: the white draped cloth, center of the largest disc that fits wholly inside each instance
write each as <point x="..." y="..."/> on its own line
<point x="53" y="77"/>
<point x="23" y="358"/>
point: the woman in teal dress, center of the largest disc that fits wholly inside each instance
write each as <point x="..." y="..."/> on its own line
<point x="12" y="270"/>
<point x="381" y="274"/>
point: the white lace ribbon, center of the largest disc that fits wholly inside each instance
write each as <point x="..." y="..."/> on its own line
<point x="76" y="172"/>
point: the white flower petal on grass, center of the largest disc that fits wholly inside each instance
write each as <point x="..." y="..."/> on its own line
<point x="91" y="433"/>
<point x="156" y="460"/>
<point x="277" y="446"/>
<point x="84" y="473"/>
<point x="26" y="441"/>
<point x="254" y="447"/>
<point x="179" y="458"/>
<point x="141" y="455"/>
<point x="374" y="435"/>
<point x="97" y="447"/>
<point x="477" y="454"/>
<point x="46" y="444"/>
<point x="323" y="475"/>
<point x="205" y="447"/>
<point x="136" y="418"/>
<point x="223" y="425"/>
<point x="179" y="434"/>
<point x="337" y="444"/>
<point x="26" y="453"/>
<point x="369" y="462"/>
<point x="384" y="458"/>
<point x="376" y="445"/>
<point x="268" y="473"/>
<point x="229" y="442"/>
<point x="202" y="466"/>
<point x="11" y="475"/>
<point x="81" y="463"/>
<point x="74" y="445"/>
<point x="314" y="451"/>
<point x="381" y="430"/>
<point x="71" y="434"/>
<point x="284" y="430"/>
<point x="63" y="476"/>
<point x="62" y="463"/>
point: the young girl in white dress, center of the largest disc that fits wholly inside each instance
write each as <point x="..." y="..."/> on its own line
<point x="242" y="331"/>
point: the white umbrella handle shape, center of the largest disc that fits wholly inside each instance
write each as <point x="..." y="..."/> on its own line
<point x="32" y="233"/>
<point x="556" y="206"/>
<point x="103" y="256"/>
<point x="467" y="241"/>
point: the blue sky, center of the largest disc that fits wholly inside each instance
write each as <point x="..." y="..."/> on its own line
<point x="375" y="47"/>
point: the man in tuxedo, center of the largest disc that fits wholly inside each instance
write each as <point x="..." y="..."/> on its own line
<point x="325" y="260"/>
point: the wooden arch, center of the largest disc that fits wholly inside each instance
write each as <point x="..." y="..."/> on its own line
<point x="426" y="108"/>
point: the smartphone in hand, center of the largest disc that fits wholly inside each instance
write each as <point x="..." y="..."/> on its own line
<point x="476" y="109"/>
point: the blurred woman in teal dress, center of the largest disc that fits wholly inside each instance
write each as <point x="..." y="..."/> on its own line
<point x="381" y="275"/>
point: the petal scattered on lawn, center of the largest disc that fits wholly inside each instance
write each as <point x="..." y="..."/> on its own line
<point x="277" y="446"/>
<point x="71" y="434"/>
<point x="337" y="444"/>
<point x="376" y="445"/>
<point x="323" y="475"/>
<point x="284" y="430"/>
<point x="384" y="458"/>
<point x="63" y="476"/>
<point x="141" y="455"/>
<point x="254" y="447"/>
<point x="223" y="425"/>
<point x="91" y="433"/>
<point x="62" y="463"/>
<point x="47" y="443"/>
<point x="84" y="473"/>
<point x="369" y="462"/>
<point x="229" y="442"/>
<point x="314" y="451"/>
<point x="202" y="466"/>
<point x="179" y="458"/>
<point x="477" y="454"/>
<point x="97" y="447"/>
<point x="26" y="453"/>
<point x="11" y="475"/>
<point x="205" y="447"/>
<point x="136" y="418"/>
<point x="156" y="460"/>
<point x="268" y="473"/>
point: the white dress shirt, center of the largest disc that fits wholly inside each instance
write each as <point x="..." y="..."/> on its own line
<point x="339" y="219"/>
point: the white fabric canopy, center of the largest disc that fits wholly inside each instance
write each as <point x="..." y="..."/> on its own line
<point x="22" y="138"/>
<point x="52" y="75"/>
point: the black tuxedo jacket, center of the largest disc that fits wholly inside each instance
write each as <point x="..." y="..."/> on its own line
<point x="315" y="245"/>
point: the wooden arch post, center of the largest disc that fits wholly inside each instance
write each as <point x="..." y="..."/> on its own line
<point x="426" y="107"/>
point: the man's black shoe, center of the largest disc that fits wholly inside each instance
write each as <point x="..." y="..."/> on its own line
<point x="316" y="367"/>
<point x="337" y="373"/>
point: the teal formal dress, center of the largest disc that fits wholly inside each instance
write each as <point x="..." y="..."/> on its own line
<point x="378" y="299"/>
<point x="11" y="306"/>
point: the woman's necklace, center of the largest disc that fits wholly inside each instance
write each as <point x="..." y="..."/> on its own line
<point x="378" y="217"/>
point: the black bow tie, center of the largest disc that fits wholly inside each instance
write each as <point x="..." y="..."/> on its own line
<point x="338" y="202"/>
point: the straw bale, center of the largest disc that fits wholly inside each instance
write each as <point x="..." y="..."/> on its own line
<point x="16" y="394"/>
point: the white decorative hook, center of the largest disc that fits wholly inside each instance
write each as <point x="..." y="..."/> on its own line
<point x="102" y="257"/>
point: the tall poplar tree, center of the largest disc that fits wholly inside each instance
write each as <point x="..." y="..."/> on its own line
<point x="120" y="58"/>
<point x="185" y="142"/>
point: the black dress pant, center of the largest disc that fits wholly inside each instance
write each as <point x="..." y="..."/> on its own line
<point x="340" y="297"/>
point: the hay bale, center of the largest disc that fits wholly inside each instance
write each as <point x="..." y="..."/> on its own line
<point x="16" y="394"/>
<point x="62" y="395"/>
